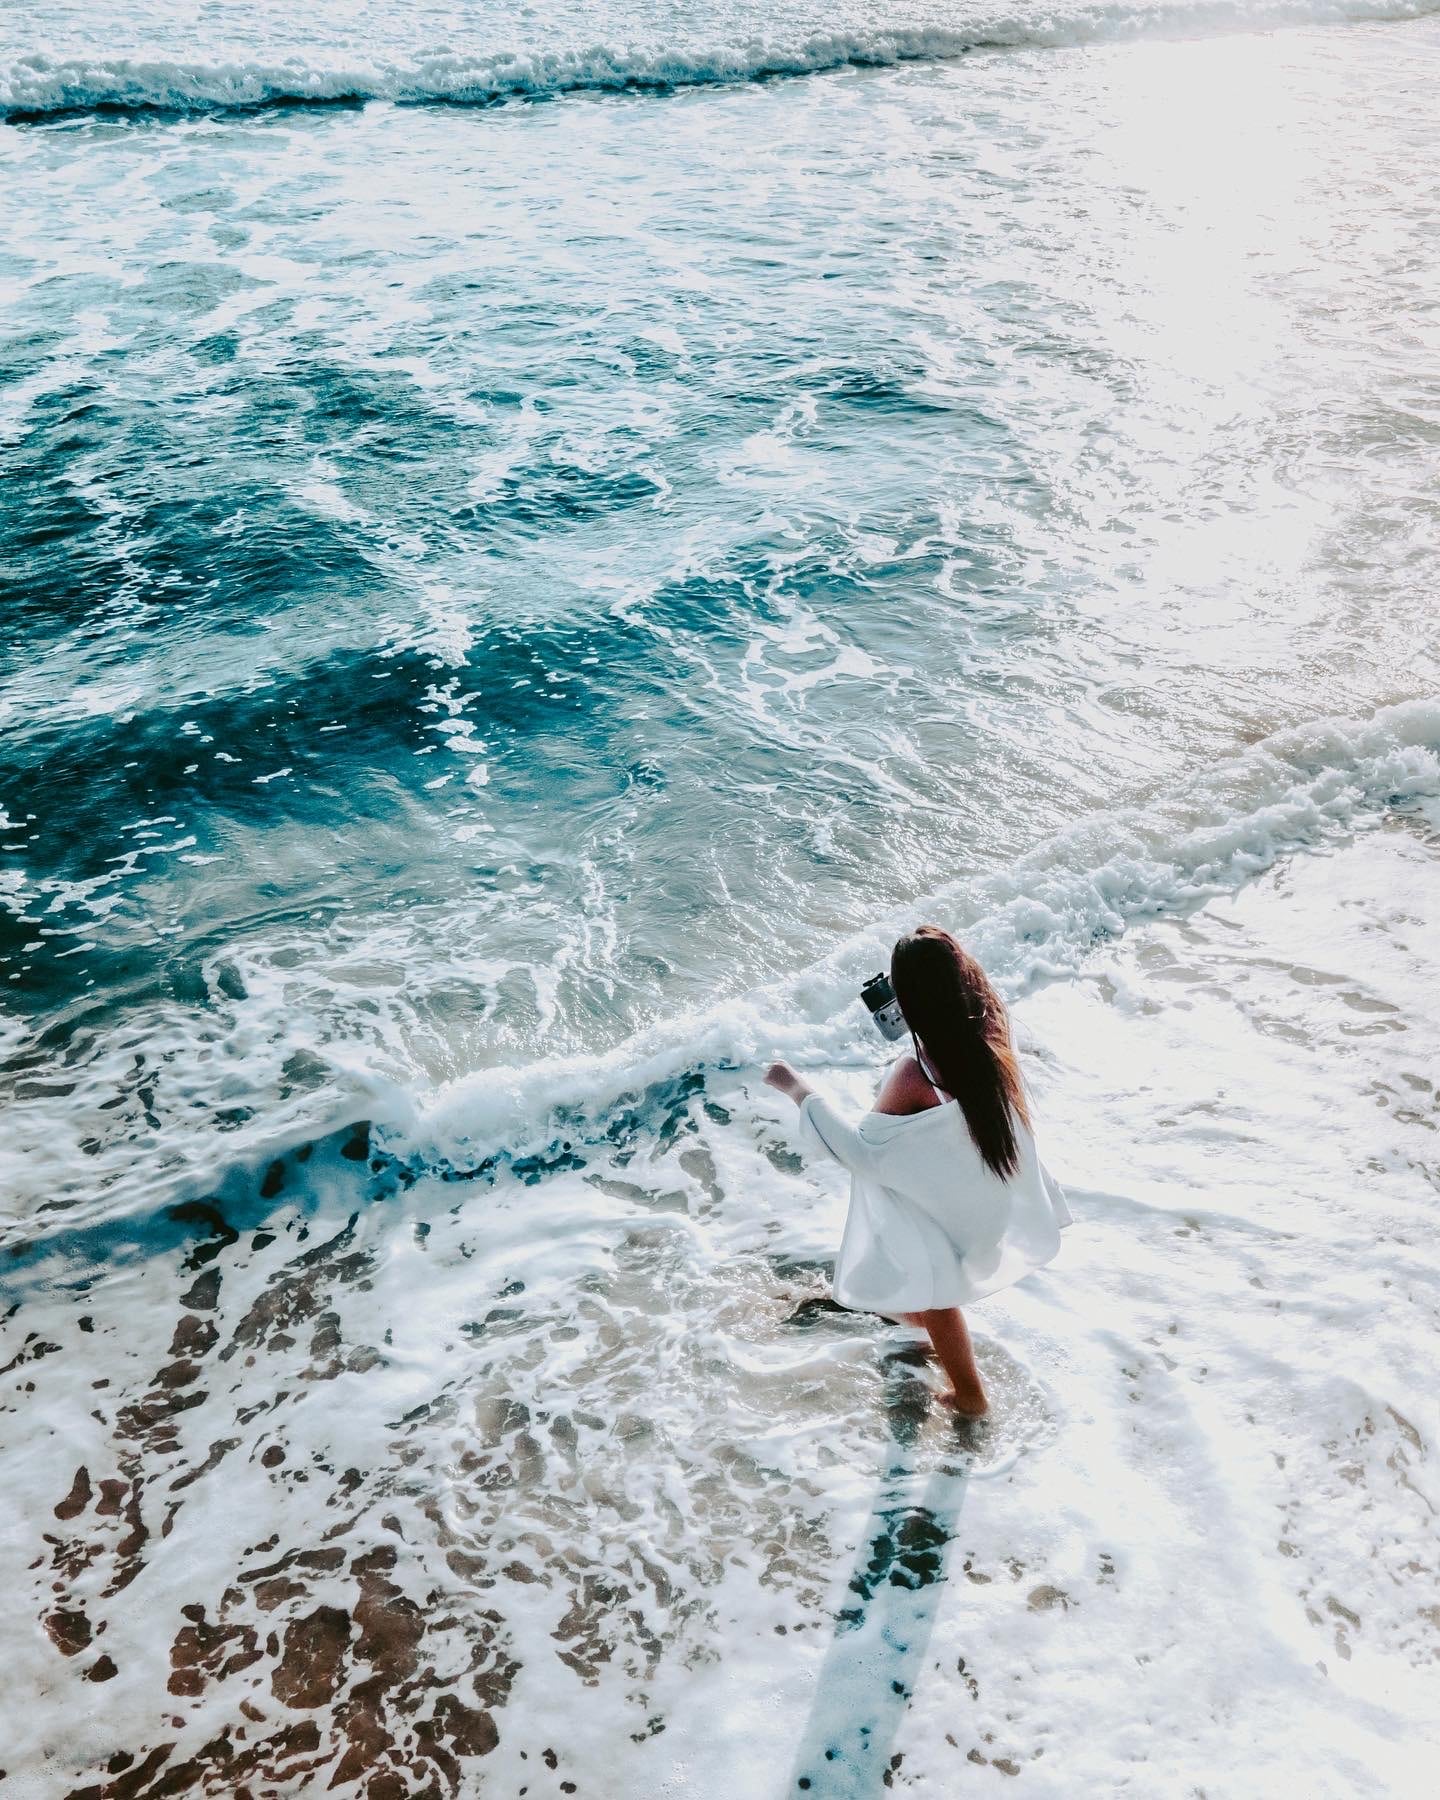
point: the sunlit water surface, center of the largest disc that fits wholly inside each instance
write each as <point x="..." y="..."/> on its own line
<point x="509" y="605"/>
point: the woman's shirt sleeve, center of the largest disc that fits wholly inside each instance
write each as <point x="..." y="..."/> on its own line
<point x="822" y="1128"/>
<point x="1056" y="1193"/>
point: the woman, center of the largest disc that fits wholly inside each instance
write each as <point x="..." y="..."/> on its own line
<point x="949" y="1200"/>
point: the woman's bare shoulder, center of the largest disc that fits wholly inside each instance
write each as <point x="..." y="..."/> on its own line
<point x="905" y="1089"/>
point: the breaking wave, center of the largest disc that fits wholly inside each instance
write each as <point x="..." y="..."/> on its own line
<point x="38" y="84"/>
<point x="1032" y="922"/>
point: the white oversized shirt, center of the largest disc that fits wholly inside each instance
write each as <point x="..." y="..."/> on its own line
<point x="930" y="1223"/>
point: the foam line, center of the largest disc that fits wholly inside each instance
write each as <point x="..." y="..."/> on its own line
<point x="36" y="85"/>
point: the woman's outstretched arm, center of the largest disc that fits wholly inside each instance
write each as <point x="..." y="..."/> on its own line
<point x="820" y="1124"/>
<point x="904" y="1090"/>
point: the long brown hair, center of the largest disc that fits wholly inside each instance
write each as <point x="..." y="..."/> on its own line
<point x="960" y="1024"/>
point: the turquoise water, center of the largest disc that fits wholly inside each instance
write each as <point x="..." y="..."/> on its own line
<point x="487" y="580"/>
<point x="532" y="544"/>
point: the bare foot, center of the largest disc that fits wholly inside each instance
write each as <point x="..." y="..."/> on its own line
<point x="972" y="1404"/>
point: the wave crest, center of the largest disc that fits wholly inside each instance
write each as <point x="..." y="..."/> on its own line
<point x="251" y="1077"/>
<point x="37" y="85"/>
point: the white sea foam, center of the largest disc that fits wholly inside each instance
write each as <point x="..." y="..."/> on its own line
<point x="227" y="1089"/>
<point x="594" y="1450"/>
<point x="1034" y="922"/>
<point x="335" y="1483"/>
<point x="37" y="82"/>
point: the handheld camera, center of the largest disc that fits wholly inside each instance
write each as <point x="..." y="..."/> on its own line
<point x="885" y="1013"/>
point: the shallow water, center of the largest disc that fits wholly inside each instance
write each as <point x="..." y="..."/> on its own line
<point x="511" y="605"/>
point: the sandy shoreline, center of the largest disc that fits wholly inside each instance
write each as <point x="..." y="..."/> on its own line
<point x="384" y="1512"/>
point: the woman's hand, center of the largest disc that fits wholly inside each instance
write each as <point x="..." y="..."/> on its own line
<point x="781" y="1075"/>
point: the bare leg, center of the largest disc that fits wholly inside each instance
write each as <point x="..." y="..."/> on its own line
<point x="951" y="1338"/>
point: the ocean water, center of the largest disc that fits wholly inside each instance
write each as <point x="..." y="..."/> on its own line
<point x="534" y="541"/>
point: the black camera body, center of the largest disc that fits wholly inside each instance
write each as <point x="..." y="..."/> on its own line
<point x="885" y="1013"/>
